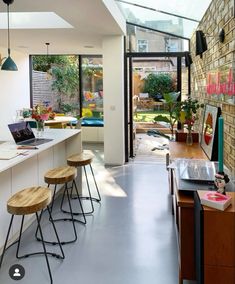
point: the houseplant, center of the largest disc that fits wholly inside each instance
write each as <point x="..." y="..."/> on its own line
<point x="185" y="112"/>
<point x="173" y="107"/>
<point x="188" y="115"/>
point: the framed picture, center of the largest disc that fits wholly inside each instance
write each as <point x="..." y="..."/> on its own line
<point x="209" y="134"/>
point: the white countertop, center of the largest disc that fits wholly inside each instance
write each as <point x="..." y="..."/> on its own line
<point x="58" y="135"/>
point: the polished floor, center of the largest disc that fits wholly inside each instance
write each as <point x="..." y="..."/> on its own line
<point x="130" y="239"/>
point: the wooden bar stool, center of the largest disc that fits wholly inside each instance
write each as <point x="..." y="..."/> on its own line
<point x="82" y="160"/>
<point x="28" y="201"/>
<point x="64" y="175"/>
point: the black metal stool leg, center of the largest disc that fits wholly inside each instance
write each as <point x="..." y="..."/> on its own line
<point x="44" y="248"/>
<point x="80" y="204"/>
<point x="57" y="237"/>
<point x="53" y="197"/>
<point x="65" y="219"/>
<point x="36" y="232"/>
<point x="19" y="239"/>
<point x="89" y="192"/>
<point x="5" y="245"/>
<point x="73" y="221"/>
<point x="97" y="189"/>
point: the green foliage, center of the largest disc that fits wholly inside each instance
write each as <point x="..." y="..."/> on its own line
<point x="158" y="84"/>
<point x="161" y="118"/>
<point x="189" y="109"/>
<point x="68" y="107"/>
<point x="66" y="80"/>
<point x="44" y="62"/>
<point x="173" y="107"/>
<point x="148" y="116"/>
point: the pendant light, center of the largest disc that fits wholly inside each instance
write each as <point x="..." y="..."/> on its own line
<point x="9" y="64"/>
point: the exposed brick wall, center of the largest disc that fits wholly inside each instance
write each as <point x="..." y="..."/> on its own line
<point x="218" y="57"/>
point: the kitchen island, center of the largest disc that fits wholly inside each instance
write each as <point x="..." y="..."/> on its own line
<point x="28" y="168"/>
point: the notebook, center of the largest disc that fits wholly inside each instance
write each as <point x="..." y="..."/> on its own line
<point x="8" y="154"/>
<point x="23" y="134"/>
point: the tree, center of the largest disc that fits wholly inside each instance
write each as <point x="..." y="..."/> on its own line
<point x="66" y="81"/>
<point x="44" y="62"/>
<point x="158" y="84"/>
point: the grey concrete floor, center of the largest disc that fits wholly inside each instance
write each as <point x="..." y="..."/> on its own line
<point x="130" y="239"/>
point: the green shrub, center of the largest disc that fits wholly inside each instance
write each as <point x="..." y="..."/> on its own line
<point x="158" y="84"/>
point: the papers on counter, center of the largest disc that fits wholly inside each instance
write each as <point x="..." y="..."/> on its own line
<point x="10" y="154"/>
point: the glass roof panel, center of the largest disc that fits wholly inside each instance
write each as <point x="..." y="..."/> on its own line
<point x="157" y="14"/>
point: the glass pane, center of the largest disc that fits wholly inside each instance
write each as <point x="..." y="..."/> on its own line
<point x="144" y="40"/>
<point x="92" y="90"/>
<point x="55" y="82"/>
<point x="156" y="14"/>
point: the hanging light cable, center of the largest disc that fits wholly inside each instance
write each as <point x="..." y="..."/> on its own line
<point x="9" y="64"/>
<point x="48" y="75"/>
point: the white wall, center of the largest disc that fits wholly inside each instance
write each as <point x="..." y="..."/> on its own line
<point x="14" y="91"/>
<point x="114" y="10"/>
<point x="113" y="84"/>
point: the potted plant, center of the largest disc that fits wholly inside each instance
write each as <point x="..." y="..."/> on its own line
<point x="173" y="107"/>
<point x="188" y="115"/>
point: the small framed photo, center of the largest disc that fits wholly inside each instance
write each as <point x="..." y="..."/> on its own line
<point x="209" y="134"/>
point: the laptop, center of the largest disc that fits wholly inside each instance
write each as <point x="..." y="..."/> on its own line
<point x="23" y="134"/>
<point x="197" y="170"/>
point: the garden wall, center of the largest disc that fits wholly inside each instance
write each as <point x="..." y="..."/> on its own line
<point x="217" y="66"/>
<point x="41" y="88"/>
<point x="42" y="92"/>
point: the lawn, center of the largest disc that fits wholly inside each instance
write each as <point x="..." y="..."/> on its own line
<point x="148" y="116"/>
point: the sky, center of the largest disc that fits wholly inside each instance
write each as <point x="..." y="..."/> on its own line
<point x="194" y="9"/>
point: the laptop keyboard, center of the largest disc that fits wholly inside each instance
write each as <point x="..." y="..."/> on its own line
<point x="35" y="142"/>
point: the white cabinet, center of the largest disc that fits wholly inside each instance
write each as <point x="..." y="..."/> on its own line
<point x="26" y="171"/>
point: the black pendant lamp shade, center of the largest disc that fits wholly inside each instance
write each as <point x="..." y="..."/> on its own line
<point x="201" y="44"/>
<point x="9" y="64"/>
<point x="188" y="59"/>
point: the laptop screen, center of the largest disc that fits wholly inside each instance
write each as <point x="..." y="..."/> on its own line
<point x="21" y="131"/>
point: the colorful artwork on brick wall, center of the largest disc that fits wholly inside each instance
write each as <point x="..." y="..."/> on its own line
<point x="220" y="85"/>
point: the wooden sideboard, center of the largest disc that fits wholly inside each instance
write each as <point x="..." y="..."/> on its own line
<point x="217" y="234"/>
<point x="183" y="210"/>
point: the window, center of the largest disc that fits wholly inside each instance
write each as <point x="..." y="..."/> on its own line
<point x="92" y="87"/>
<point x="142" y="45"/>
<point x="173" y="45"/>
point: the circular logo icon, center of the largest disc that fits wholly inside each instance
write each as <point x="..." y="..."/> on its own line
<point x="16" y="272"/>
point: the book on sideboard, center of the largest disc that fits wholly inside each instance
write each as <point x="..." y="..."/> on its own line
<point x="216" y="200"/>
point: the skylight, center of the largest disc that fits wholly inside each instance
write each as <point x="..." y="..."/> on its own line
<point x="178" y="17"/>
<point x="34" y="20"/>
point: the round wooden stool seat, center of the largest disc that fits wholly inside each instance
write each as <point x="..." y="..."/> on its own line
<point x="79" y="160"/>
<point x="29" y="200"/>
<point x="60" y="175"/>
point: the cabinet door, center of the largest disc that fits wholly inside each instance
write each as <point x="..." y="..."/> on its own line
<point x="45" y="163"/>
<point x="219" y="238"/>
<point x="5" y="194"/>
<point x="60" y="158"/>
<point x="198" y="229"/>
<point x="24" y="175"/>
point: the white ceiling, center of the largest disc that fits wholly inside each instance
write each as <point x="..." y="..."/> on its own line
<point x="92" y="20"/>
